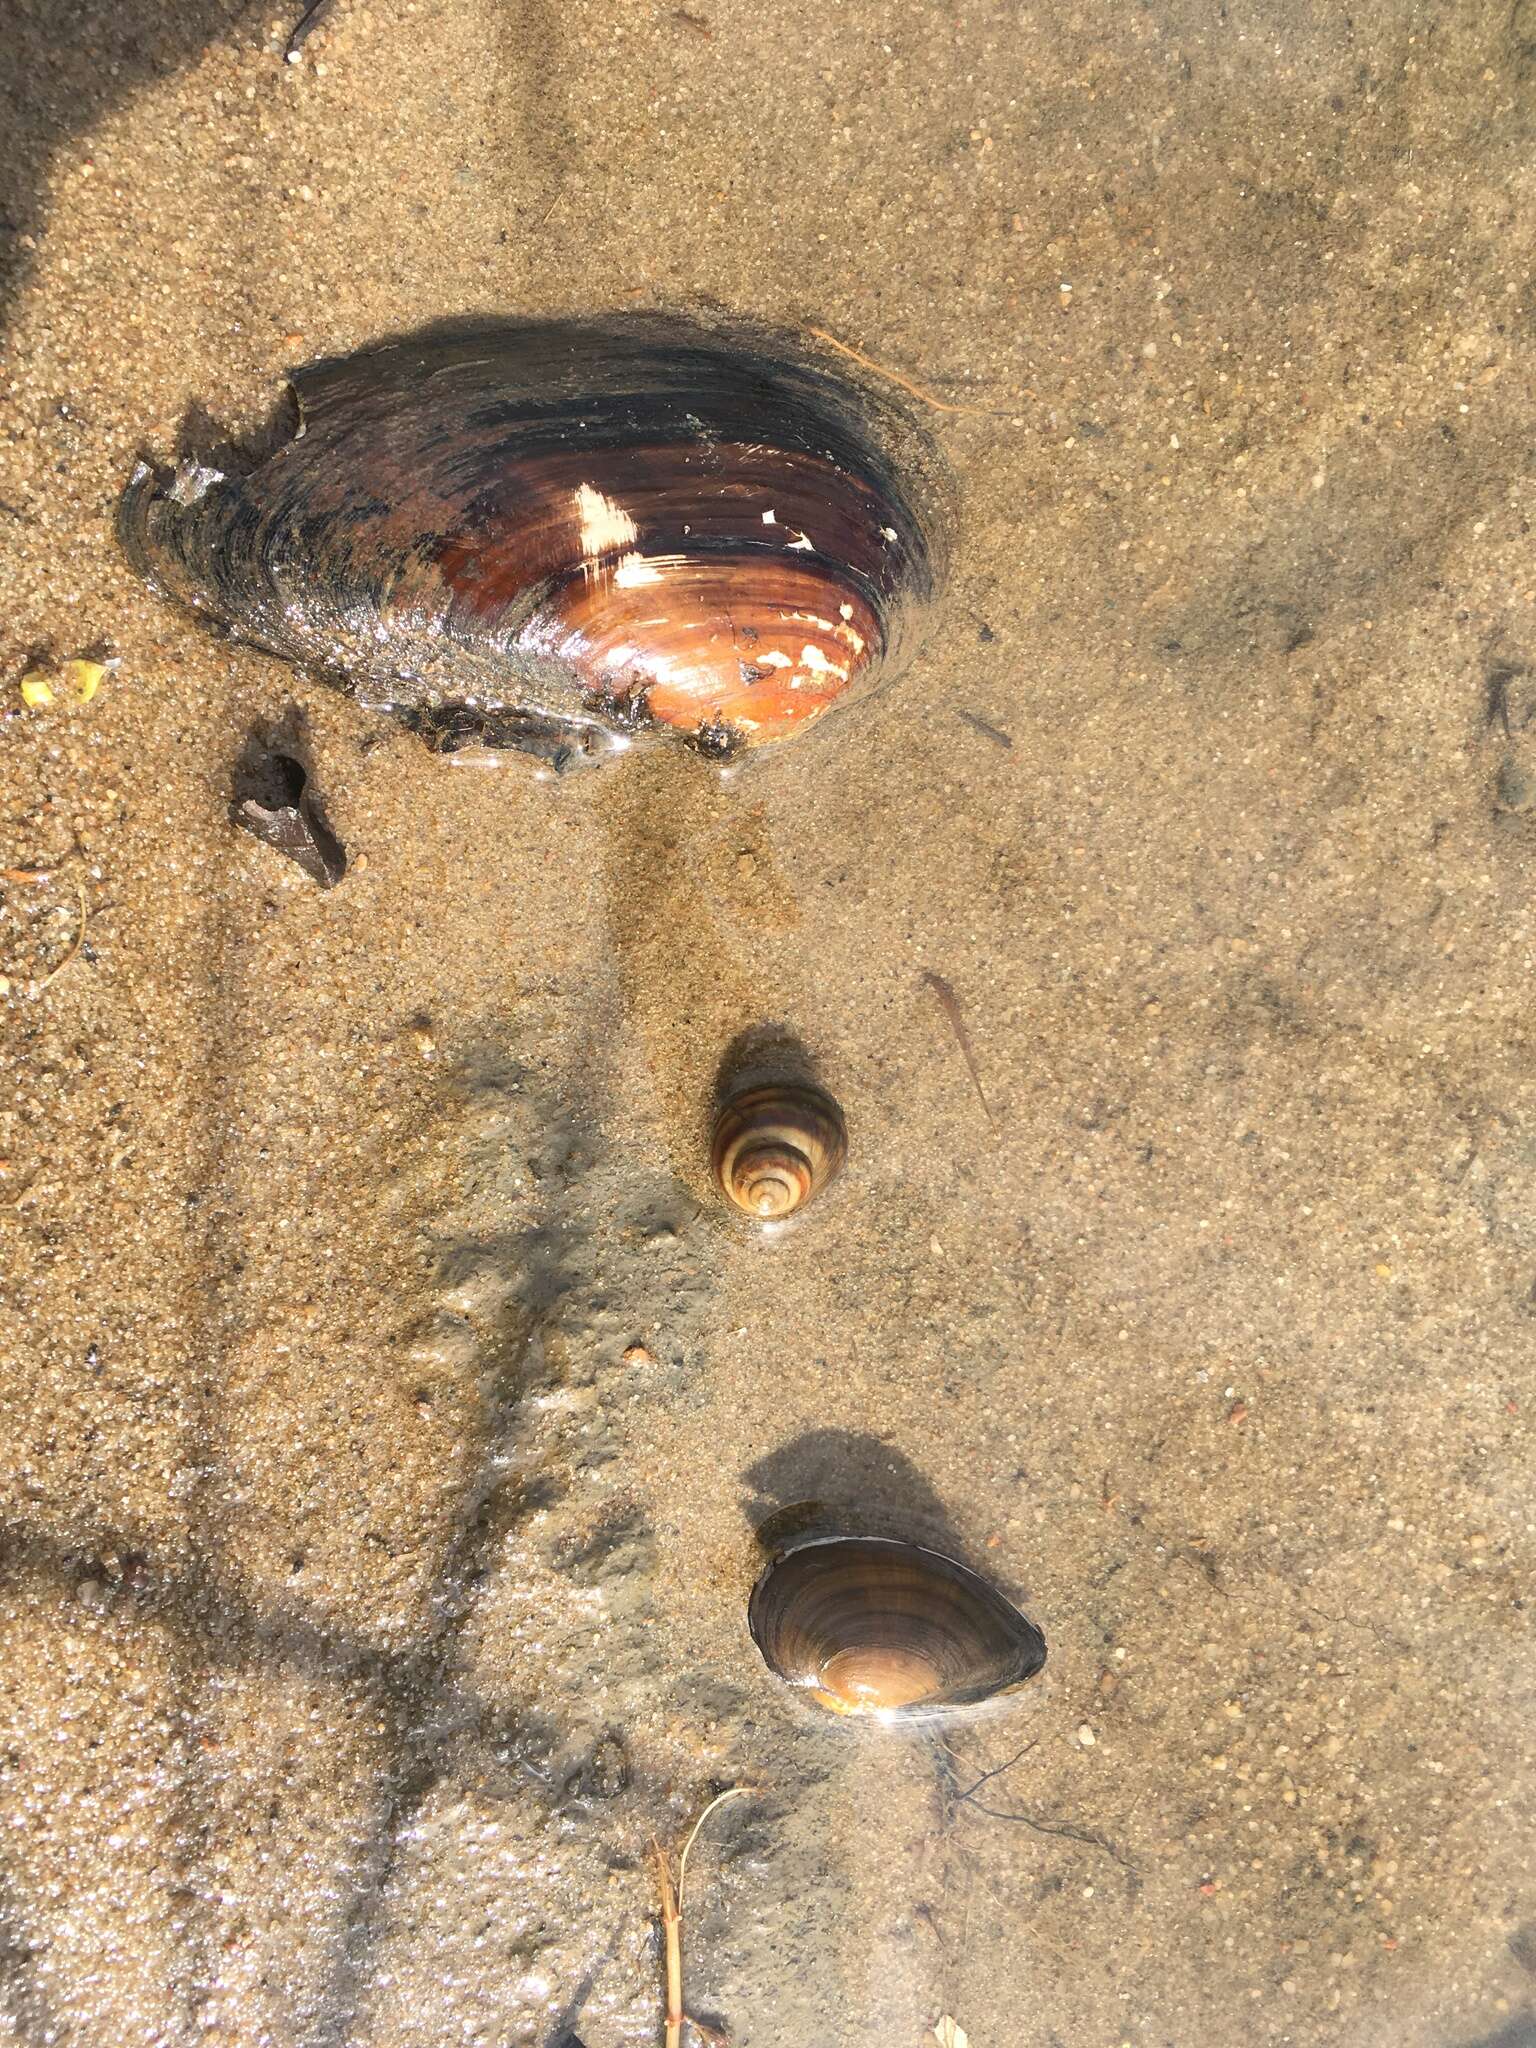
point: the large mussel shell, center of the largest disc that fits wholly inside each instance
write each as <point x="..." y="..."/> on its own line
<point x="552" y="536"/>
<point x="872" y="1626"/>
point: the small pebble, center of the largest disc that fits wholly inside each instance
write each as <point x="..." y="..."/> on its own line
<point x="636" y="1354"/>
<point x="89" y="1592"/>
<point x="1086" y="1736"/>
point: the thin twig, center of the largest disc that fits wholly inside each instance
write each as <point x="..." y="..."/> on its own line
<point x="672" y="1936"/>
<point x="998" y="1769"/>
<point x="949" y="1003"/>
<point x="945" y="1764"/>
<point x="26" y="874"/>
<point x="79" y="940"/>
<point x="1061" y="1828"/>
<point x="857" y="355"/>
<point x="672" y="1919"/>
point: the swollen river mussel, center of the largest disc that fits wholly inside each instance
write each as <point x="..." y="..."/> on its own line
<point x="872" y="1626"/>
<point x="555" y="537"/>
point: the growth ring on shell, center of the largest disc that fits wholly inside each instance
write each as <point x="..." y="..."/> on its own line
<point x="555" y="536"/>
<point x="870" y="1625"/>
<point x="775" y="1147"/>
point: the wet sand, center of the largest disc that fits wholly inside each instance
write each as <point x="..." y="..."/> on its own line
<point x="365" y="1614"/>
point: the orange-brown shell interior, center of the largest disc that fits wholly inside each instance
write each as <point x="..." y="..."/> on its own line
<point x="758" y="644"/>
<point x="697" y="584"/>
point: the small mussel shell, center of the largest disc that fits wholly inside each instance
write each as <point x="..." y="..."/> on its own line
<point x="775" y="1147"/>
<point x="872" y="1626"/>
<point x="554" y="536"/>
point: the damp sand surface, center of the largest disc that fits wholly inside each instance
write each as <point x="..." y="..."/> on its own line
<point x="365" y="1612"/>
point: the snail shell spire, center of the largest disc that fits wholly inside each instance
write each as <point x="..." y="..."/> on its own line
<point x="775" y="1147"/>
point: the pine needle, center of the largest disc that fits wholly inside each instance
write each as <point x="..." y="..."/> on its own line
<point x="736" y="1792"/>
<point x="79" y="940"/>
<point x="857" y="355"/>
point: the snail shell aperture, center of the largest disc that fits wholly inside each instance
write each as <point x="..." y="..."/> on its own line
<point x="872" y="1626"/>
<point x="556" y="536"/>
<point x="775" y="1147"/>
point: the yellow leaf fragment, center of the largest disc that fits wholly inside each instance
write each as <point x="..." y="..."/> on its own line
<point x="83" y="677"/>
<point x="36" y="689"/>
<point x="950" y="2034"/>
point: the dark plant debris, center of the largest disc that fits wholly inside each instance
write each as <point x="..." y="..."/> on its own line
<point x="992" y="732"/>
<point x="275" y="800"/>
<point x="314" y="16"/>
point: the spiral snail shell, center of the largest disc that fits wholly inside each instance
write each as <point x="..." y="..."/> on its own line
<point x="775" y="1147"/>
<point x="554" y="537"/>
<point x="870" y="1625"/>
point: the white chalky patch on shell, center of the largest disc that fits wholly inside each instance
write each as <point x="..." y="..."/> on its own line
<point x="633" y="571"/>
<point x="813" y="659"/>
<point x="604" y="523"/>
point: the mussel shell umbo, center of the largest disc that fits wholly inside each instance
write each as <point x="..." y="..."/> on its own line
<point x="870" y="1625"/>
<point x="553" y="536"/>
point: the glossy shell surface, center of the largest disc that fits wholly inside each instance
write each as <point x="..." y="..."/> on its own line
<point x="775" y="1147"/>
<point x="559" y="535"/>
<point x="871" y="1626"/>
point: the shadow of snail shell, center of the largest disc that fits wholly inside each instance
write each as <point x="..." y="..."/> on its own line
<point x="871" y="1626"/>
<point x="775" y="1147"/>
<point x="556" y="536"/>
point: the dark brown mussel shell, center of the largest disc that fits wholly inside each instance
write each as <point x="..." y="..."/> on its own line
<point x="555" y="536"/>
<point x="872" y="1626"/>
